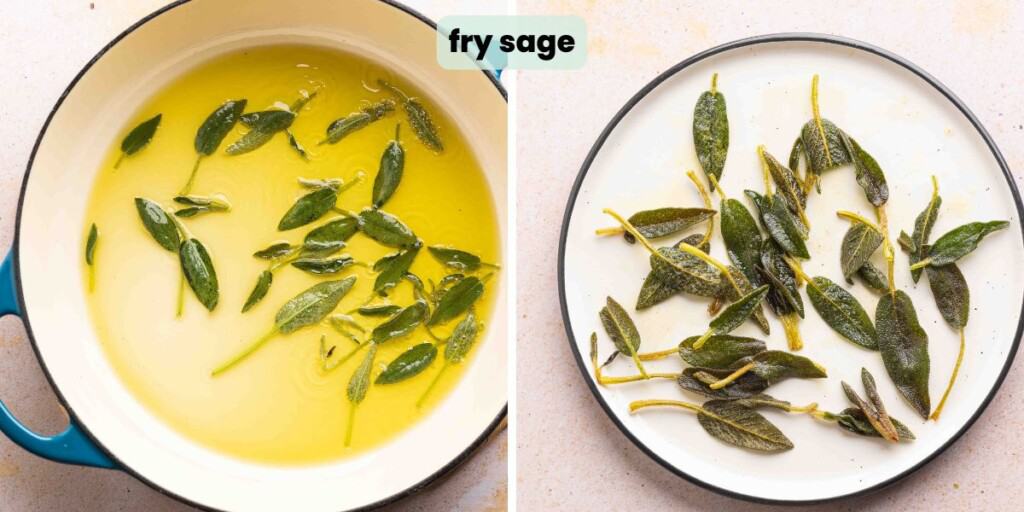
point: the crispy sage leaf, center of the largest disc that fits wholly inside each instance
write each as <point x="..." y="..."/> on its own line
<point x="711" y="131"/>
<point x="775" y="366"/>
<point x="826" y="153"/>
<point x="666" y="221"/>
<point x="419" y="118"/>
<point x="780" y="224"/>
<point x="323" y="266"/>
<point x="952" y="296"/>
<point x="262" y="127"/>
<point x="412" y="362"/>
<point x="456" y="300"/>
<point x="785" y="294"/>
<point x="276" y="250"/>
<point x="330" y="236"/>
<point x="455" y="258"/>
<point x="308" y="208"/>
<point x="90" y="245"/>
<point x="312" y="305"/>
<point x="158" y="223"/>
<point x="745" y="287"/>
<point x="259" y="291"/>
<point x="923" y="225"/>
<point x="873" y="277"/>
<point x="385" y="228"/>
<point x="359" y="383"/>
<point x="720" y="350"/>
<point x="462" y="339"/>
<point x="389" y="175"/>
<point x="879" y="421"/>
<point x="379" y="310"/>
<point x="842" y="312"/>
<point x="869" y="174"/>
<point x="738" y="312"/>
<point x="687" y="273"/>
<point x="698" y="379"/>
<point x="656" y="290"/>
<point x="787" y="182"/>
<point x="392" y="267"/>
<point x="859" y="243"/>
<point x="853" y="420"/>
<point x="742" y="239"/>
<point x="960" y="241"/>
<point x="341" y="128"/>
<point x="741" y="426"/>
<point x="879" y="417"/>
<point x="402" y="324"/>
<point x="199" y="272"/>
<point x="620" y="327"/>
<point x="139" y="137"/>
<point x="904" y="347"/>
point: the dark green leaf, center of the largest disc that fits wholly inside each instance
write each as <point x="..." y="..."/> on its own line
<point x="323" y="266"/>
<point x="697" y="379"/>
<point x="262" y="127"/>
<point x="904" y="347"/>
<point x="923" y="225"/>
<point x="140" y="136"/>
<point x="785" y="294"/>
<point x="687" y="273"/>
<point x="403" y="323"/>
<point x="738" y="312"/>
<point x="456" y="300"/>
<point x="731" y="294"/>
<point x="276" y="250"/>
<point x="312" y="305"/>
<point x="340" y="128"/>
<point x="859" y="243"/>
<point x="952" y="296"/>
<point x="158" y="223"/>
<point x="719" y="351"/>
<point x="879" y="422"/>
<point x="787" y="182"/>
<point x="90" y="244"/>
<point x="360" y="380"/>
<point x="853" y="420"/>
<point x="869" y="174"/>
<point x="455" y="258"/>
<point x="217" y="125"/>
<point x="794" y="155"/>
<point x="960" y="241"/>
<point x="199" y="272"/>
<point x="259" y="291"/>
<point x="308" y="208"/>
<point x="389" y="175"/>
<point x="666" y="221"/>
<point x="620" y="327"/>
<point x="842" y="312"/>
<point x="780" y="224"/>
<point x="294" y="143"/>
<point x="878" y="416"/>
<point x="711" y="131"/>
<point x="392" y="267"/>
<point x="823" y="154"/>
<point x="412" y="362"/>
<point x="379" y="310"/>
<point x="775" y="366"/>
<point x="742" y="239"/>
<point x="419" y="118"/>
<point x="655" y="289"/>
<point x="331" y="235"/>
<point x="385" y="228"/>
<point x="741" y="426"/>
<point x="873" y="277"/>
<point x="462" y="339"/>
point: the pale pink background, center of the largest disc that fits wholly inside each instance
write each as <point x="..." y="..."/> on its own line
<point x="569" y="454"/>
<point x="43" y="44"/>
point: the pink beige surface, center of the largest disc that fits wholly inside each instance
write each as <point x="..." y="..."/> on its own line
<point x="570" y="456"/>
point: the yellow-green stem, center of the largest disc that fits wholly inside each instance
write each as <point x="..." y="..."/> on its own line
<point x="423" y="397"/>
<point x="181" y="296"/>
<point x="791" y="325"/>
<point x="640" y="404"/>
<point x="741" y="371"/>
<point x="92" y="277"/>
<point x="119" y="160"/>
<point x="191" y="177"/>
<point x="703" y="339"/>
<point x="921" y="264"/>
<point x="602" y="379"/>
<point x="609" y="231"/>
<point x="707" y="204"/>
<point x="718" y="188"/>
<point x="714" y="83"/>
<point x="952" y="378"/>
<point x="244" y="353"/>
<point x="856" y="217"/>
<point x="661" y="354"/>
<point x="817" y="119"/>
<point x="351" y="424"/>
<point x="887" y="250"/>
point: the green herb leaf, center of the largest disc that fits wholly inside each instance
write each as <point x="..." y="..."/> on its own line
<point x="794" y="155"/>
<point x="842" y="312"/>
<point x="455" y="258"/>
<point x="785" y="294"/>
<point x="139" y="137"/>
<point x="217" y="125"/>
<point x="859" y="243"/>
<point x="960" y="241"/>
<point x="720" y="350"/>
<point x="820" y="159"/>
<point x="403" y="323"/>
<point x="666" y="221"/>
<point x="359" y="383"/>
<point x="412" y="362"/>
<point x="275" y="251"/>
<point x="620" y="327"/>
<point x="904" y="347"/>
<point x="952" y="296"/>
<point x="379" y="310"/>
<point x="711" y="131"/>
<point x="158" y="223"/>
<point x="731" y="294"/>
<point x="687" y="273"/>
<point x="878" y="416"/>
<point x="698" y="379"/>
<point x="775" y="366"/>
<point x="456" y="300"/>
<point x="90" y="245"/>
<point x="869" y="175"/>
<point x="392" y="267"/>
<point x="419" y="118"/>
<point x="738" y="312"/>
<point x="330" y="236"/>
<point x="263" y="126"/>
<point x="787" y="182"/>
<point x="389" y="175"/>
<point x="199" y="272"/>
<point x="341" y="128"/>
<point x="780" y="223"/>
<point x="294" y="143"/>
<point x="259" y="291"/>
<point x="923" y="225"/>
<point x="741" y="426"/>
<point x="656" y="290"/>
<point x="385" y="228"/>
<point x="312" y="305"/>
<point x="854" y="420"/>
<point x="323" y="266"/>
<point x="873" y="277"/>
<point x="462" y="339"/>
<point x="742" y="239"/>
<point x="308" y="208"/>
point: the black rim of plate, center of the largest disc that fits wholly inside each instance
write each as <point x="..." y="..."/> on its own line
<point x="426" y="482"/>
<point x="653" y="84"/>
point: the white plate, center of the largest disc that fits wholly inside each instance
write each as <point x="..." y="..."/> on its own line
<point x="915" y="128"/>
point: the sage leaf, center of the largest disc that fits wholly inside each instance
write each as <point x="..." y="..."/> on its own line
<point x="742" y="239"/>
<point x="456" y="300"/>
<point x="732" y="294"/>
<point x="666" y="221"/>
<point x="90" y="245"/>
<point x="410" y="363"/>
<point x="698" y="380"/>
<point x="869" y="174"/>
<point x="379" y="310"/>
<point x="330" y="236"/>
<point x="780" y="224"/>
<point x="656" y="290"/>
<point x="455" y="258"/>
<point x="294" y="143"/>
<point x="923" y="225"/>
<point x="873" y="277"/>
<point x="199" y="272"/>
<point x="400" y="325"/>
<point x="859" y="243"/>
<point x="200" y="204"/>
<point x="419" y="118"/>
<point x="741" y="426"/>
<point x="711" y="131"/>
<point x="775" y="366"/>
<point x="138" y="138"/>
<point x="794" y="155"/>
<point x="687" y="273"/>
<point x="217" y="125"/>
<point x="736" y="313"/>
<point x="462" y="339"/>
<point x="359" y="383"/>
<point x="158" y="224"/>
<point x="952" y="297"/>
<point x="854" y="420"/>
<point x="826" y="152"/>
<point x="308" y="208"/>
<point x="841" y="311"/>
<point x="389" y="174"/>
<point x="788" y="183"/>
<point x="785" y="294"/>
<point x="262" y="127"/>
<point x="719" y="351"/>
<point x="385" y="228"/>
<point x="904" y="347"/>
<point x="259" y="291"/>
<point x="879" y="421"/>
<point x="275" y="251"/>
<point x="960" y="241"/>
<point x="312" y="305"/>
<point x="323" y="266"/>
<point x="620" y="327"/>
<point x="391" y="268"/>
<point x="351" y="123"/>
<point x="879" y="417"/>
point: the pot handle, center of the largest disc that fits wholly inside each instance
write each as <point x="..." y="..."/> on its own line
<point x="71" y="446"/>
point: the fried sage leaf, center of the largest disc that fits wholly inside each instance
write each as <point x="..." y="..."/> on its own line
<point x="745" y="288"/>
<point x="720" y="350"/>
<point x="787" y="182"/>
<point x="199" y="272"/>
<point x="620" y="327"/>
<point x="456" y="300"/>
<point x="656" y="290"/>
<point x="822" y="143"/>
<point x="842" y="312"/>
<point x="323" y="266"/>
<point x="294" y="143"/>
<point x="780" y="223"/>
<point x="312" y="305"/>
<point x="785" y="294"/>
<point x="923" y="225"/>
<point x="389" y="174"/>
<point x="666" y="221"/>
<point x="455" y="258"/>
<point x="687" y="273"/>
<point x="775" y="366"/>
<point x="904" y="347"/>
<point x="392" y="267"/>
<point x="158" y="224"/>
<point x="878" y="420"/>
<point x="699" y="379"/>
<point x="742" y="239"/>
<point x="262" y="127"/>
<point x="138" y="138"/>
<point x="960" y="241"/>
<point x="738" y="425"/>
<point x="385" y="228"/>
<point x="330" y="236"/>
<point x="308" y="208"/>
<point x="341" y="128"/>
<point x="410" y="363"/>
<point x="259" y="291"/>
<point x="873" y="277"/>
<point x="419" y="118"/>
<point x="738" y="312"/>
<point x="379" y="310"/>
<point x="275" y="251"/>
<point x="400" y="325"/>
<point x="869" y="174"/>
<point x="952" y="296"/>
<point x="853" y="420"/>
<point x="859" y="243"/>
<point x="711" y="130"/>
<point x="462" y="339"/>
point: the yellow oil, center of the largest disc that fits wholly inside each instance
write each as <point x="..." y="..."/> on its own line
<point x="278" y="406"/>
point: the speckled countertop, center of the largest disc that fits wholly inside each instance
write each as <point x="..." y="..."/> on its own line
<point x="43" y="44"/>
<point x="569" y="454"/>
